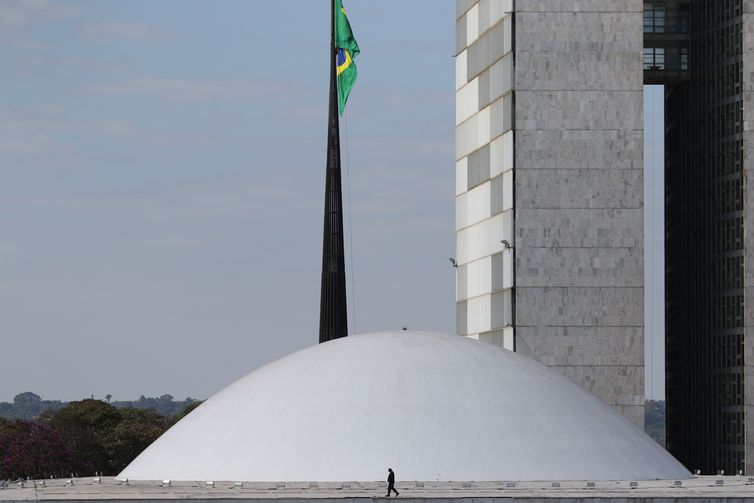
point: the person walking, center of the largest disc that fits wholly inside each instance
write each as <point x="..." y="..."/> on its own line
<point x="391" y="482"/>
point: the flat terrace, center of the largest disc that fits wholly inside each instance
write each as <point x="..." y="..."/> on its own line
<point x="704" y="489"/>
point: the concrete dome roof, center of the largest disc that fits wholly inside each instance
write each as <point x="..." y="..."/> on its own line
<point x="431" y="406"/>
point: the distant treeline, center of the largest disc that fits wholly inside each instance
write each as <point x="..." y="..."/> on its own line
<point x="80" y="438"/>
<point x="44" y="438"/>
<point x="28" y="405"/>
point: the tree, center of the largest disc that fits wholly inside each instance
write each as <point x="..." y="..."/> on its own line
<point x="137" y="429"/>
<point x="108" y="397"/>
<point x="84" y="426"/>
<point x="5" y="426"/>
<point x="185" y="412"/>
<point x="27" y="398"/>
<point x="33" y="449"/>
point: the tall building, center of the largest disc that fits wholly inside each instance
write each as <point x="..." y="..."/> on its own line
<point x="549" y="186"/>
<point x="549" y="201"/>
<point x="701" y="50"/>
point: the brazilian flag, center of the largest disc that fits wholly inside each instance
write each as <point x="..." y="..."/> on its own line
<point x="348" y="49"/>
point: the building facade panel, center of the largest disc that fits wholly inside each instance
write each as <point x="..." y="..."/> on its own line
<point x="579" y="193"/>
<point x="549" y="200"/>
<point x="579" y="228"/>
<point x="582" y="149"/>
<point x="579" y="6"/>
<point x="579" y="307"/>
<point x="576" y="189"/>
<point x="580" y="110"/>
<point x="580" y="267"/>
<point x="566" y="346"/>
<point x="484" y="181"/>
<point x="747" y="82"/>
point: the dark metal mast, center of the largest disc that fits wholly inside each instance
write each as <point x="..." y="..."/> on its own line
<point x="333" y="314"/>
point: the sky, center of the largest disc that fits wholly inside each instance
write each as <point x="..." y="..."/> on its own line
<point x="654" y="242"/>
<point x="162" y="182"/>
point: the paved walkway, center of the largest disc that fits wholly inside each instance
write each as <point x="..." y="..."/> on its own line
<point x="109" y="489"/>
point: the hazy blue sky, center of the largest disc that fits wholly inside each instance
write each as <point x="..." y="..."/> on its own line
<point x="162" y="178"/>
<point x="654" y="241"/>
<point x="161" y="186"/>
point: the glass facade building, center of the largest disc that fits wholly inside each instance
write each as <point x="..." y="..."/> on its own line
<point x="706" y="326"/>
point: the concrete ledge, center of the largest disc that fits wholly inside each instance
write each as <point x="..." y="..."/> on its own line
<point x="707" y="489"/>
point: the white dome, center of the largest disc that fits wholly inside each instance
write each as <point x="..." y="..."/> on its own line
<point x="431" y="406"/>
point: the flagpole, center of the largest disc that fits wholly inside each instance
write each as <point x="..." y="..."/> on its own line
<point x="333" y="314"/>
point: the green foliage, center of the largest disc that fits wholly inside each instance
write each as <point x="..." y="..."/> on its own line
<point x="654" y="420"/>
<point x="28" y="405"/>
<point x="191" y="406"/>
<point x="164" y="404"/>
<point x="84" y="426"/>
<point x="29" y="449"/>
<point x="81" y="437"/>
<point x="27" y="398"/>
<point x="5" y="425"/>
<point x="136" y="430"/>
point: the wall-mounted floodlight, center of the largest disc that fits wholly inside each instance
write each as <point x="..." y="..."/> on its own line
<point x="506" y="244"/>
<point x="453" y="261"/>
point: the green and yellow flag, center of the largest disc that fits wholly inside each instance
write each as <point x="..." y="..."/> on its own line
<point x="347" y="49"/>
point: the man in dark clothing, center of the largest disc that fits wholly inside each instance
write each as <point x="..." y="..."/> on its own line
<point x="391" y="483"/>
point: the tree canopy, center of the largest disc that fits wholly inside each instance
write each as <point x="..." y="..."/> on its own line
<point x="82" y="437"/>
